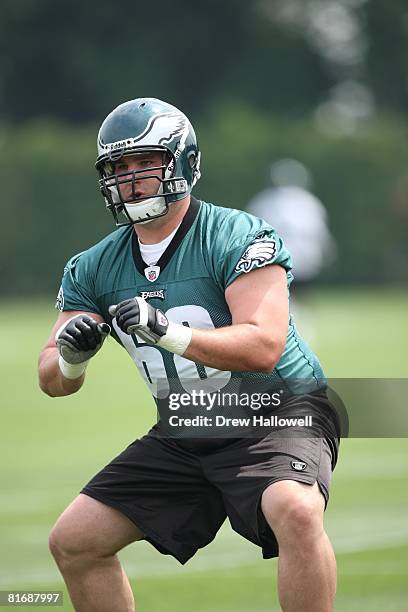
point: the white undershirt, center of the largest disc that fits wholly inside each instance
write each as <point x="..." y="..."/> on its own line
<point x="151" y="253"/>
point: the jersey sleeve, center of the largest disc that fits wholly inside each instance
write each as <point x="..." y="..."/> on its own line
<point x="77" y="286"/>
<point x="250" y="243"/>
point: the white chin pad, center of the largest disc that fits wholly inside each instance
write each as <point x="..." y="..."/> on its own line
<point x="141" y="211"/>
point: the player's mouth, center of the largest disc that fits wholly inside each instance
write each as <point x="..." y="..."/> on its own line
<point x="128" y="194"/>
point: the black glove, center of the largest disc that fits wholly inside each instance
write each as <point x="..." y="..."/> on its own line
<point x="80" y="338"/>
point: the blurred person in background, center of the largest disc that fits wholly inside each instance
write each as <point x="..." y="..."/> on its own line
<point x="396" y="261"/>
<point x="195" y="293"/>
<point x="301" y="219"/>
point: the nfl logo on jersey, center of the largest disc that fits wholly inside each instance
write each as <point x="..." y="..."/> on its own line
<point x="152" y="273"/>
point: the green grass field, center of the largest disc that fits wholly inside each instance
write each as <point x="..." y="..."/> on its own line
<point x="51" y="447"/>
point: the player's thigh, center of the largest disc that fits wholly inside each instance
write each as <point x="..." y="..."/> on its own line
<point x="88" y="525"/>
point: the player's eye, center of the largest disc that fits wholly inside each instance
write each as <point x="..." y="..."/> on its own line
<point x="121" y="168"/>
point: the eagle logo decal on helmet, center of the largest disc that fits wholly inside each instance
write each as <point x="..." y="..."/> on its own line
<point x="161" y="129"/>
<point x="159" y="126"/>
<point x="258" y="254"/>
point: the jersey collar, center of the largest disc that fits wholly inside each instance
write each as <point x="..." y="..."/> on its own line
<point x="185" y="225"/>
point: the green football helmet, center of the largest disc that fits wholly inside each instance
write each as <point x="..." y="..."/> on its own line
<point x="140" y="126"/>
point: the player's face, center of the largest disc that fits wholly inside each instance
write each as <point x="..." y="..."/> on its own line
<point x="136" y="175"/>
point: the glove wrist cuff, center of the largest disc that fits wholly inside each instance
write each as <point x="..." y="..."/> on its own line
<point x="71" y="370"/>
<point x="176" y="339"/>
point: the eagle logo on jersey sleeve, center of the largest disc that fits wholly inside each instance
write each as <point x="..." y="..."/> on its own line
<point x="258" y="254"/>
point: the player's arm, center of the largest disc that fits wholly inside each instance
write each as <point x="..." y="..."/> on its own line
<point x="258" y="302"/>
<point x="75" y="338"/>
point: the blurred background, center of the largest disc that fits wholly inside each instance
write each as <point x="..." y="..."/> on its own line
<point x="324" y="82"/>
<point x="319" y="84"/>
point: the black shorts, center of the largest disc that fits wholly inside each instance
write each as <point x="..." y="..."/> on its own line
<point x="179" y="498"/>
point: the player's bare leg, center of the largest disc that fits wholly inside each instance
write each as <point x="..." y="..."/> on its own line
<point x="84" y="543"/>
<point x="306" y="566"/>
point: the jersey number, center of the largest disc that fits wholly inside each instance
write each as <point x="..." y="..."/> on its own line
<point x="150" y="363"/>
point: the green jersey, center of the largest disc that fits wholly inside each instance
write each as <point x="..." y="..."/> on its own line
<point x="211" y="248"/>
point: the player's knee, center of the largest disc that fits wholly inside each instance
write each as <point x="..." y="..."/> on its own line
<point x="301" y="521"/>
<point x="294" y="517"/>
<point x="70" y="545"/>
<point x="62" y="546"/>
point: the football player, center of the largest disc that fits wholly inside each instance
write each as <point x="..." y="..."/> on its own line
<point x="198" y="296"/>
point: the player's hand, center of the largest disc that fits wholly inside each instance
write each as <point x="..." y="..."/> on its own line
<point x="80" y="338"/>
<point x="136" y="316"/>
